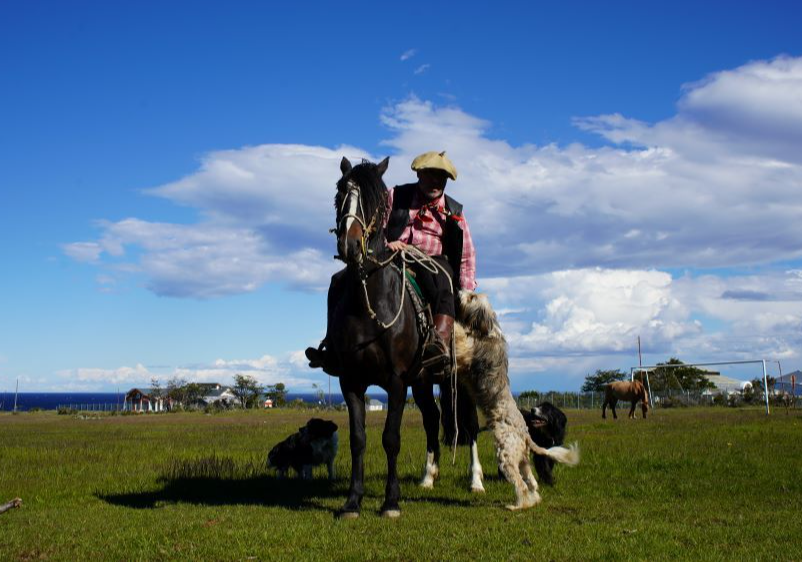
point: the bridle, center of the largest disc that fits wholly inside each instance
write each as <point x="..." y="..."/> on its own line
<point x="353" y="209"/>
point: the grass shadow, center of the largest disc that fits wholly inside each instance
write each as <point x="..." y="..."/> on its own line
<point x="217" y="481"/>
<point x="222" y="481"/>
<point x="220" y="491"/>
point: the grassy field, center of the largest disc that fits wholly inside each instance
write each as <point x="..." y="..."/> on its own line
<point x="701" y="484"/>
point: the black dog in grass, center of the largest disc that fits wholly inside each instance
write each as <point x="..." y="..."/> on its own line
<point x="546" y="424"/>
<point x="313" y="444"/>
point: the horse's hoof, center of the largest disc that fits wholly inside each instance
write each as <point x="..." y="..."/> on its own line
<point x="427" y="484"/>
<point x="513" y="507"/>
<point x="478" y="489"/>
<point x="347" y="515"/>
<point x="391" y="513"/>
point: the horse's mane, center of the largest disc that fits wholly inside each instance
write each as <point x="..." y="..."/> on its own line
<point x="374" y="196"/>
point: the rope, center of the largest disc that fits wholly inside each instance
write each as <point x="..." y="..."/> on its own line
<point x="454" y="400"/>
<point x="409" y="255"/>
<point x="372" y="313"/>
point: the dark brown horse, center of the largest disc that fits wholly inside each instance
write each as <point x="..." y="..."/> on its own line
<point x="633" y="391"/>
<point x="372" y="336"/>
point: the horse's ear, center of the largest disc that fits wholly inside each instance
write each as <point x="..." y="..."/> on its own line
<point x="382" y="166"/>
<point x="345" y="166"/>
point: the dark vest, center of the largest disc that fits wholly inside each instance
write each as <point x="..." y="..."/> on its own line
<point x="452" y="231"/>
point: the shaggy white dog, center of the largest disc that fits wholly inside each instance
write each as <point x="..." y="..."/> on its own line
<point x="482" y="365"/>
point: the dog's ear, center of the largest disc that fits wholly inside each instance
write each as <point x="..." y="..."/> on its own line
<point x="485" y="316"/>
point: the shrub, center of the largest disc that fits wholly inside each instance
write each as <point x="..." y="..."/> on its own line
<point x="67" y="410"/>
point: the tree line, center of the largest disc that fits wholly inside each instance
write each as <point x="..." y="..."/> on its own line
<point x="248" y="391"/>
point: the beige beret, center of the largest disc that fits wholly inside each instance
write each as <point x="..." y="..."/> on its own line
<point x="437" y="160"/>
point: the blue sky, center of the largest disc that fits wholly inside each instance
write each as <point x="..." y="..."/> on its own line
<point x="166" y="173"/>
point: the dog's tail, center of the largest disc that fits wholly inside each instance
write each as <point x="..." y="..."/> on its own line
<point x="568" y="456"/>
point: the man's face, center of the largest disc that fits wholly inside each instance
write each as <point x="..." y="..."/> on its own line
<point x="432" y="183"/>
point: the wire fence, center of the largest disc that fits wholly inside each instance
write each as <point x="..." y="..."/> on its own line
<point x="661" y="399"/>
<point x="91" y="407"/>
<point x="564" y="400"/>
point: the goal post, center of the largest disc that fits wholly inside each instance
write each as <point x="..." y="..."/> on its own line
<point x="646" y="369"/>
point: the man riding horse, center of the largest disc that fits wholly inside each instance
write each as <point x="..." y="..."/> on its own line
<point x="422" y="215"/>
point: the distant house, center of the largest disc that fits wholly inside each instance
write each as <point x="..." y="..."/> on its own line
<point x="375" y="405"/>
<point x="789" y="383"/>
<point x="726" y="385"/>
<point x="217" y="394"/>
<point x="143" y="399"/>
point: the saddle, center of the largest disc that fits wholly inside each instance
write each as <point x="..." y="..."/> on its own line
<point x="319" y="357"/>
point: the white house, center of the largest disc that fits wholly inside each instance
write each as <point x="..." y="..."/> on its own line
<point x="214" y="392"/>
<point x="375" y="405"/>
<point x="726" y="385"/>
<point x="145" y="400"/>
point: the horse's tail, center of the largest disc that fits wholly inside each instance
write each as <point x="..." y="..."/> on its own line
<point x="568" y="456"/>
<point x="467" y="428"/>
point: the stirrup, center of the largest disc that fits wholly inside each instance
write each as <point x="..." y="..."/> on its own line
<point x="436" y="357"/>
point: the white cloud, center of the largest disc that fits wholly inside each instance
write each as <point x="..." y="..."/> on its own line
<point x="138" y="374"/>
<point x="266" y="369"/>
<point x="83" y="251"/>
<point x="677" y="193"/>
<point x="408" y="54"/>
<point x="576" y="319"/>
<point x="213" y="259"/>
<point x="422" y="68"/>
<point x="578" y="231"/>
<point x="591" y="311"/>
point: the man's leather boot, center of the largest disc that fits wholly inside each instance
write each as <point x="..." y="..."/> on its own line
<point x="437" y="354"/>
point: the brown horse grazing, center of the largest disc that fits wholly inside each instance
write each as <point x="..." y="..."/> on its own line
<point x="633" y="391"/>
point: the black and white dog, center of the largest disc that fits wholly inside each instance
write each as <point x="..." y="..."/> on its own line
<point x="546" y="424"/>
<point x="313" y="444"/>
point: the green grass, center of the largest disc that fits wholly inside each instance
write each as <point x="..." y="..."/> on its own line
<point x="701" y="484"/>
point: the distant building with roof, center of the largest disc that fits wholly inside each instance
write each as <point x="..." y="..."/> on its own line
<point x="375" y="405"/>
<point x="724" y="384"/>
<point x="147" y="399"/>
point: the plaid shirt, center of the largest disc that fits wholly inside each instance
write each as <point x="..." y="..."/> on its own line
<point x="425" y="231"/>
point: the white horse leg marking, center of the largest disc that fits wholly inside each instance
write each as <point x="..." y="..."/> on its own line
<point x="476" y="470"/>
<point x="430" y="471"/>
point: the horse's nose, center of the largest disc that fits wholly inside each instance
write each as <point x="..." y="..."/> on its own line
<point x="352" y="250"/>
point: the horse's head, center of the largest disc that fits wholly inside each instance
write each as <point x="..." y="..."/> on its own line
<point x="640" y="392"/>
<point x="361" y="204"/>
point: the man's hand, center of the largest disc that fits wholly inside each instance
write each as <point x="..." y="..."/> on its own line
<point x="397" y="245"/>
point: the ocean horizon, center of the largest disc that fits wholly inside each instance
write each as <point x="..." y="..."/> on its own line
<point x="106" y="401"/>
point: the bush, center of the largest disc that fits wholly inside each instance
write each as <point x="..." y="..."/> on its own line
<point x="217" y="407"/>
<point x="720" y="400"/>
<point x="298" y="404"/>
<point x="674" y="402"/>
<point x="67" y="410"/>
<point x="735" y="400"/>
